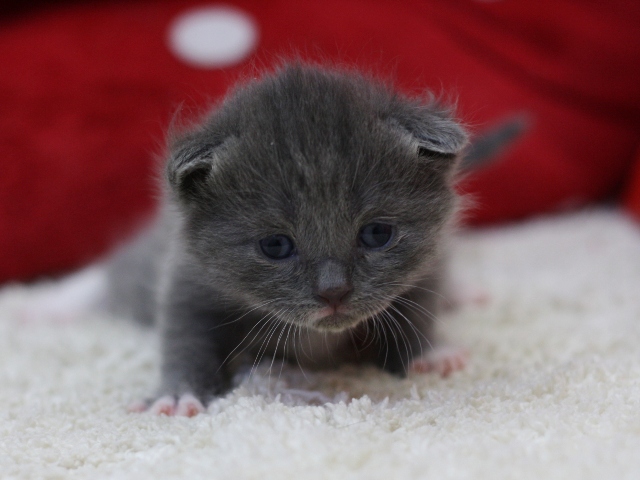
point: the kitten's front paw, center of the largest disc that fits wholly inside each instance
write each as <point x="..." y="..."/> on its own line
<point x="186" y="405"/>
<point x="441" y="360"/>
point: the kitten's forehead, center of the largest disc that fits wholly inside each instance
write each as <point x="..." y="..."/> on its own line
<point x="318" y="131"/>
<point x="312" y="151"/>
<point x="325" y="179"/>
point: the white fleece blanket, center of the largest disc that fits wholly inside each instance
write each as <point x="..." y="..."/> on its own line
<point x="552" y="389"/>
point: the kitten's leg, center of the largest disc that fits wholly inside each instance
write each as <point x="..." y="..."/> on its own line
<point x="198" y="335"/>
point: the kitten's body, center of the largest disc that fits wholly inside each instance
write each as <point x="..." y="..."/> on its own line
<point x="318" y="168"/>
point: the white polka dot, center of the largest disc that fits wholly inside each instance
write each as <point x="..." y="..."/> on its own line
<point x="213" y="37"/>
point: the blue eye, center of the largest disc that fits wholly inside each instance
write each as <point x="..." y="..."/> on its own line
<point x="375" y="235"/>
<point x="277" y="247"/>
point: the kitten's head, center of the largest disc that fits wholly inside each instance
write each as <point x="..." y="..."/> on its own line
<point x="315" y="195"/>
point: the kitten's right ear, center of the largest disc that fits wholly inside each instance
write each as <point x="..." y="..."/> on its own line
<point x="191" y="165"/>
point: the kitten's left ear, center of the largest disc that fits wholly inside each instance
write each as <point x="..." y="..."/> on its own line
<point x="433" y="131"/>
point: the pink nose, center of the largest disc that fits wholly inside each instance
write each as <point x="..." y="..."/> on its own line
<point x="335" y="296"/>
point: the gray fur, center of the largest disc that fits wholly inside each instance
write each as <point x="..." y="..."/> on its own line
<point x="315" y="154"/>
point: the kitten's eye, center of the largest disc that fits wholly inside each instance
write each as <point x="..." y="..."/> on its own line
<point x="375" y="235"/>
<point x="277" y="247"/>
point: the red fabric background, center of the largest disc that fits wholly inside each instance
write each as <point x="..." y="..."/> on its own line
<point x="632" y="192"/>
<point x="87" y="90"/>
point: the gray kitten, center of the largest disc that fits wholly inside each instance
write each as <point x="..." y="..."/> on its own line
<point x="304" y="219"/>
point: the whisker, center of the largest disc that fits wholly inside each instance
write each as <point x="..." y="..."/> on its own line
<point x="308" y="330"/>
<point x="416" y="307"/>
<point x="246" y="313"/>
<point x="386" y="341"/>
<point x="393" y="324"/>
<point x="298" y="328"/>
<point x="265" y="343"/>
<point x="265" y="321"/>
<point x="417" y="287"/>
<point x="408" y="350"/>
<point x="368" y="334"/>
<point x="274" y="354"/>
<point x="275" y="351"/>
<point x="301" y="330"/>
<point x="286" y="348"/>
<point x="415" y="329"/>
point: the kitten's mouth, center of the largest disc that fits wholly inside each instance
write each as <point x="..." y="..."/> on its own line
<point x="335" y="320"/>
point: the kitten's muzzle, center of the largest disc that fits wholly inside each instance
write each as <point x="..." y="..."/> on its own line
<point x="335" y="315"/>
<point x="334" y="297"/>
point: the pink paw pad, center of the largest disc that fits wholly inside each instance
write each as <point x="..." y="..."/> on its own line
<point x="186" y="406"/>
<point x="441" y="360"/>
<point x="164" y="406"/>
<point x="189" y="406"/>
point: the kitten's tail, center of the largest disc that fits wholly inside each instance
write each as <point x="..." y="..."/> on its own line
<point x="490" y="144"/>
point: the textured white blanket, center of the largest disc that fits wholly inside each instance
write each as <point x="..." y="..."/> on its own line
<point x="552" y="389"/>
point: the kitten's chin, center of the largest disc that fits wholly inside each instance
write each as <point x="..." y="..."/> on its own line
<point x="329" y="320"/>
<point x="336" y="322"/>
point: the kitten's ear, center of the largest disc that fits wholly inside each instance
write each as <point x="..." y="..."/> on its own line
<point x="191" y="165"/>
<point x="433" y="131"/>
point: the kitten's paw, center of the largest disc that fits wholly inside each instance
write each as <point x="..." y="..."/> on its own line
<point x="441" y="360"/>
<point x="189" y="406"/>
<point x="186" y="405"/>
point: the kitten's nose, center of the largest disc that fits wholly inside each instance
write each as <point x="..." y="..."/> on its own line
<point x="334" y="297"/>
<point x="333" y="284"/>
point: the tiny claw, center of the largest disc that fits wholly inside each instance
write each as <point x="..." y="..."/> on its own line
<point x="186" y="406"/>
<point x="164" y="406"/>
<point x="189" y="406"/>
<point x="442" y="360"/>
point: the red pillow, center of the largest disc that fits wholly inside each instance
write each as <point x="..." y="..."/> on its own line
<point x="632" y="192"/>
<point x="87" y="90"/>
